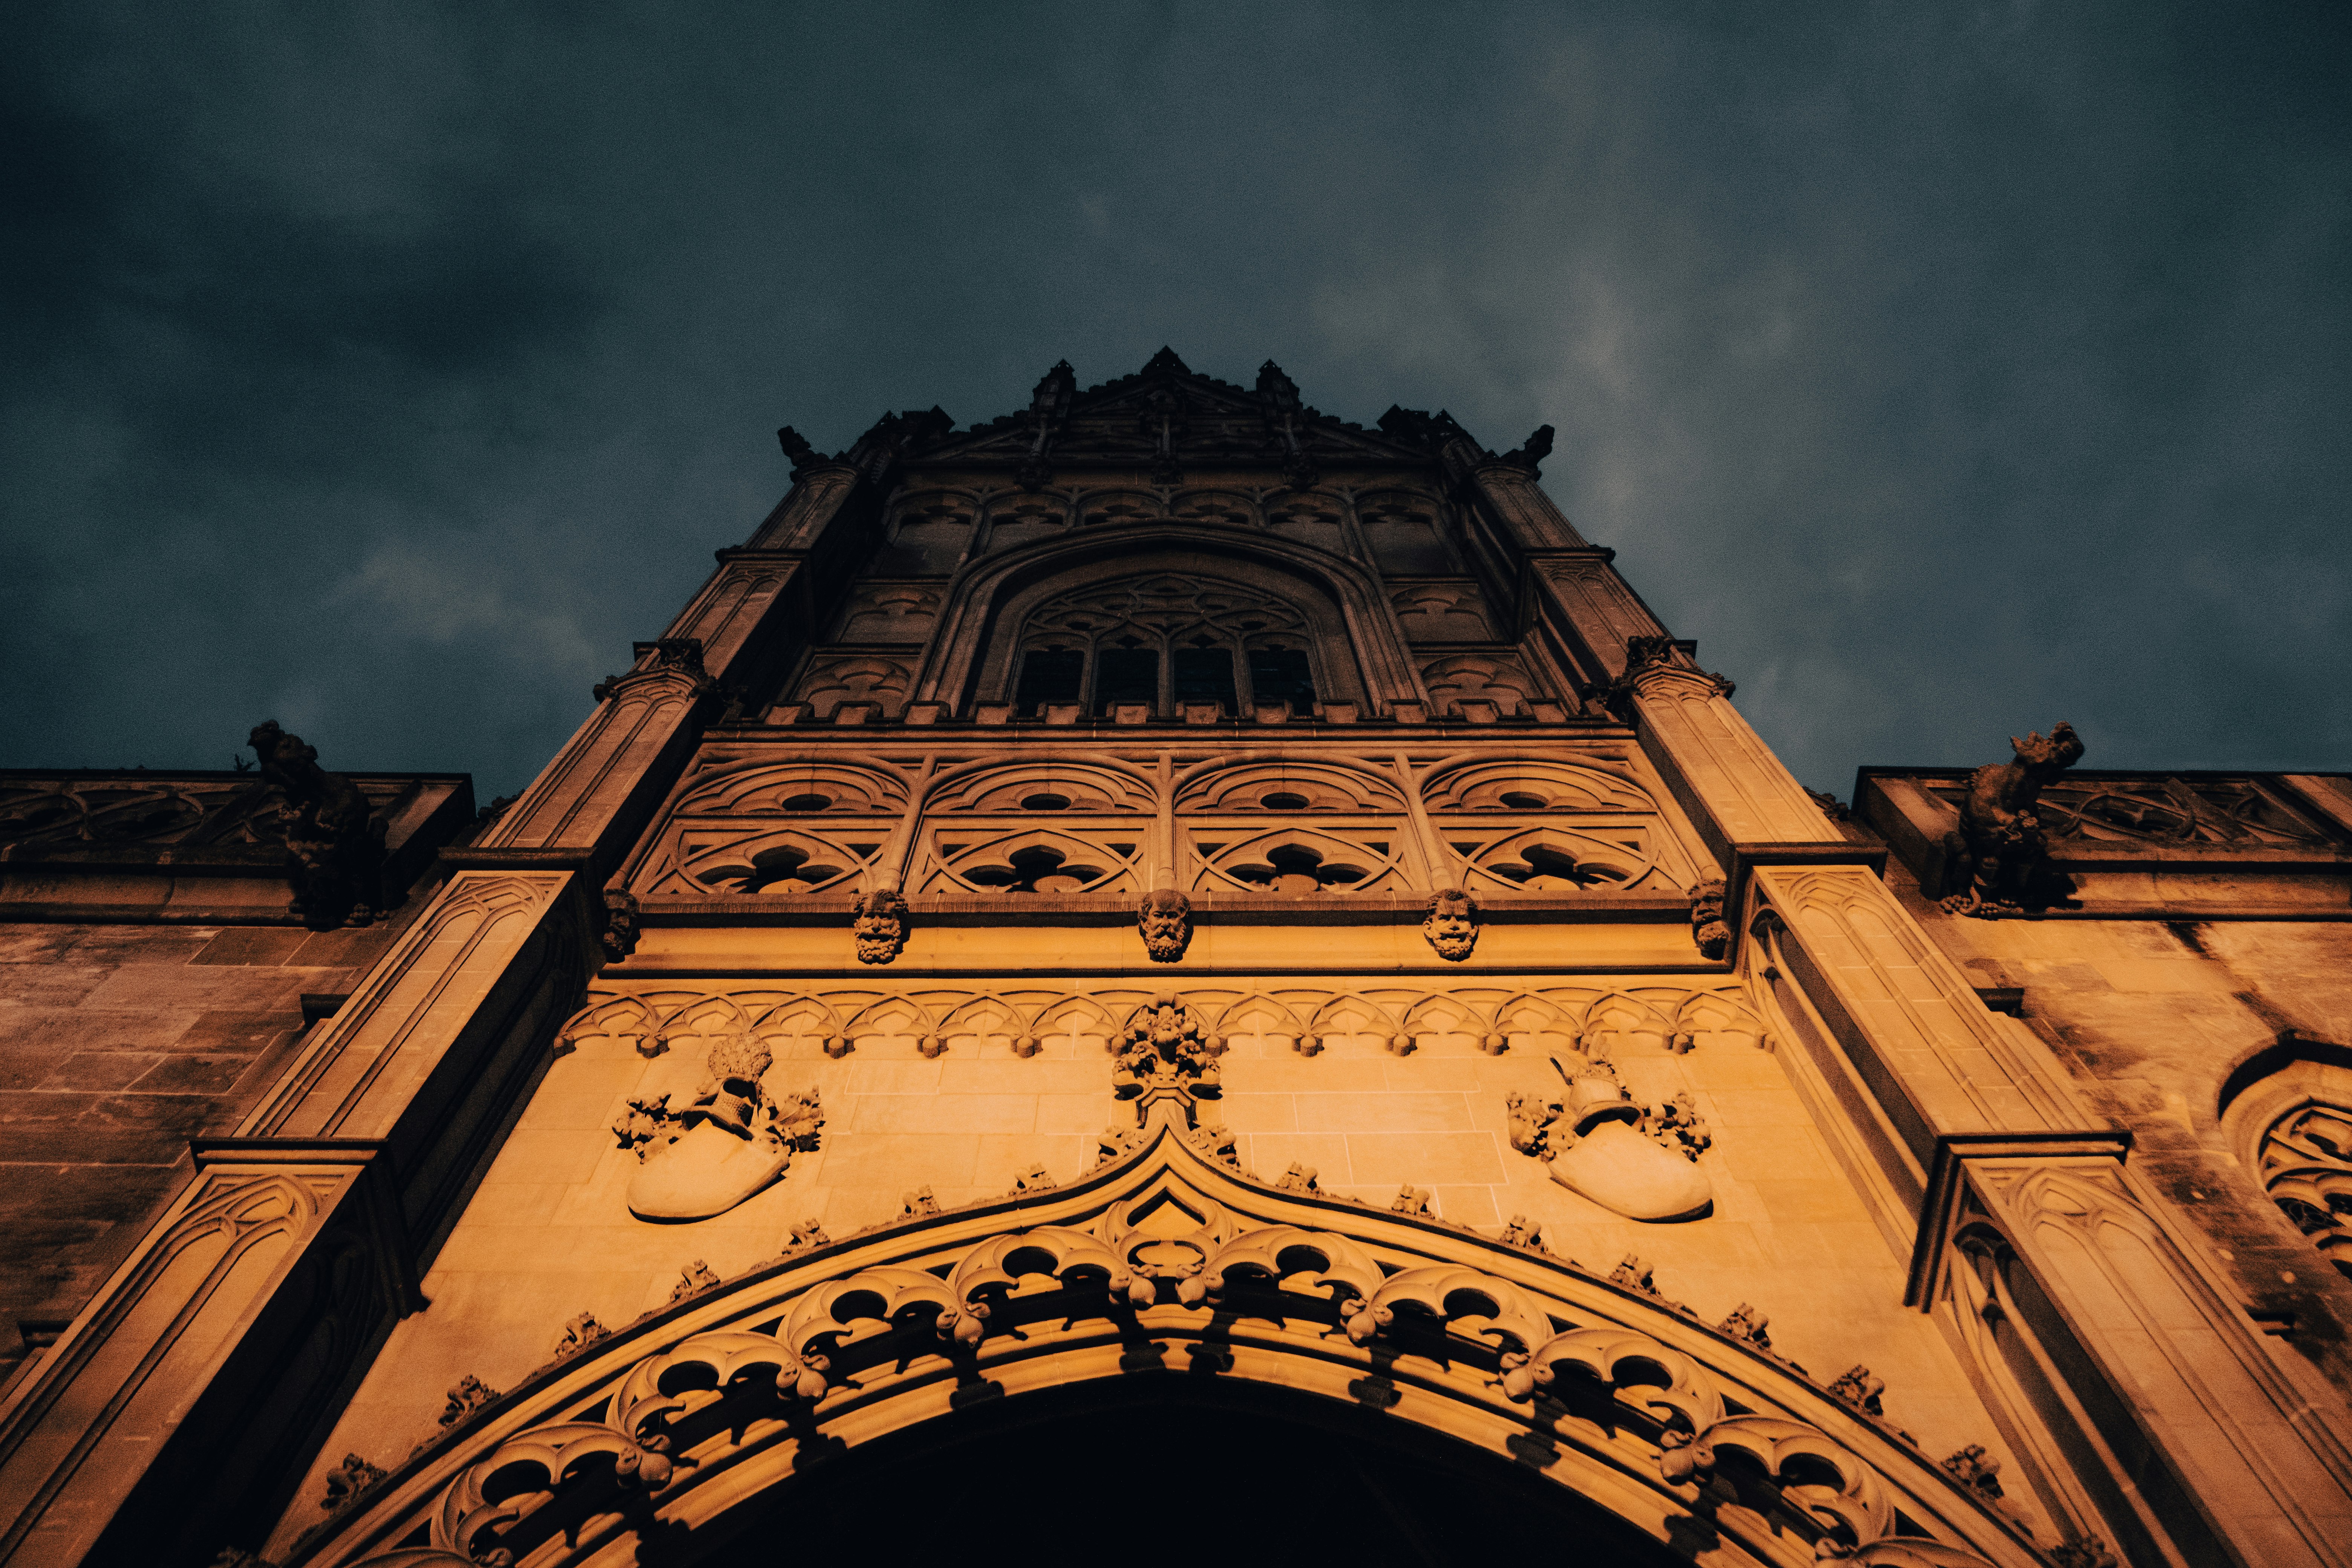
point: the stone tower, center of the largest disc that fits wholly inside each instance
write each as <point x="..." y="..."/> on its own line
<point x="1167" y="974"/>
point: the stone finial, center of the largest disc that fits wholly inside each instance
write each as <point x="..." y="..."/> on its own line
<point x="692" y="1280"/>
<point x="1977" y="1470"/>
<point x="334" y="847"/>
<point x="350" y="1478"/>
<point x="1748" y="1324"/>
<point x="1164" y="916"/>
<point x="1707" y="928"/>
<point x="579" y="1334"/>
<point x="469" y="1395"/>
<point x="1999" y="860"/>
<point x="1451" y="923"/>
<point x="879" y="925"/>
<point x="1859" y="1387"/>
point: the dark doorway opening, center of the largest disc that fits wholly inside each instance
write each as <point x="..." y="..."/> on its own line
<point x="1173" y="1468"/>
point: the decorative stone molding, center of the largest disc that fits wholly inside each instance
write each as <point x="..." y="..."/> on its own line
<point x="1165" y="1058"/>
<point x="1167" y="1256"/>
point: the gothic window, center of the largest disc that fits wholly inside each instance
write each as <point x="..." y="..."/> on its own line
<point x="1279" y="674"/>
<point x="1050" y="674"/>
<point x="1401" y="529"/>
<point x="1163" y="642"/>
<point x="2305" y="1165"/>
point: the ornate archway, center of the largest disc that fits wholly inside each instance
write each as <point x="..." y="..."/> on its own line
<point x="1171" y="1294"/>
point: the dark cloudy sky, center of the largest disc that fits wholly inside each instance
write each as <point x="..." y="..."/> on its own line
<point x="1945" y="370"/>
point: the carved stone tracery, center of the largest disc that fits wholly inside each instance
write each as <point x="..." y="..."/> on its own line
<point x="1173" y="1257"/>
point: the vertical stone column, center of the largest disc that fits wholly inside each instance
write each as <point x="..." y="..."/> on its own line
<point x="190" y="1393"/>
<point x="2160" y="1422"/>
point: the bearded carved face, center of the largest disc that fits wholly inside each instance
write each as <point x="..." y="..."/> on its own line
<point x="880" y="928"/>
<point x="1452" y="924"/>
<point x="1165" y="918"/>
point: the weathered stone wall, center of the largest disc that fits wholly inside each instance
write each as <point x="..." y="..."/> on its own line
<point x="2154" y="1017"/>
<point x="117" y="1044"/>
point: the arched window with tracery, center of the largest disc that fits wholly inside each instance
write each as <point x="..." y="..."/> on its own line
<point x="1166" y="642"/>
<point x="2298" y="1123"/>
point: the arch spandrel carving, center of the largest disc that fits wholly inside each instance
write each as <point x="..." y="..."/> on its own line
<point x="1163" y="1258"/>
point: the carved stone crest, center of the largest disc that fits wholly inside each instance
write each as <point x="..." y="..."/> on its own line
<point x="1451" y="923"/>
<point x="879" y="926"/>
<point x="1599" y="1143"/>
<point x="732" y="1138"/>
<point x="1999" y="861"/>
<point x="1164" y="916"/>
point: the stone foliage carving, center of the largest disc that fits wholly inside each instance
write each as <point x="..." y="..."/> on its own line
<point x="733" y="1138"/>
<point x="879" y="925"/>
<point x="1599" y="1019"/>
<point x="1999" y="860"/>
<point x="669" y="657"/>
<point x="1173" y="1255"/>
<point x="1164" y="917"/>
<point x="1451" y="924"/>
<point x="1164" y="1056"/>
<point x="348" y="1480"/>
<point x="334" y="849"/>
<point x="1659" y="663"/>
<point x="1598" y="1142"/>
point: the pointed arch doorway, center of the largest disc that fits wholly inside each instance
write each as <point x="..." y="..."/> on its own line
<point x="1176" y="1468"/>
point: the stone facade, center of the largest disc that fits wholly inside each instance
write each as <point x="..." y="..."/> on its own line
<point x="1170" y="930"/>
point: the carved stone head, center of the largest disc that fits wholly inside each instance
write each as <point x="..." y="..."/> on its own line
<point x="1451" y="923"/>
<point x="1165" y="918"/>
<point x="2046" y="759"/>
<point x="1707" y="928"/>
<point x="880" y="927"/>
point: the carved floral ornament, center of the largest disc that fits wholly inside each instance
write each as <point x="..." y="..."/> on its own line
<point x="1165" y="1258"/>
<point x="1598" y="1021"/>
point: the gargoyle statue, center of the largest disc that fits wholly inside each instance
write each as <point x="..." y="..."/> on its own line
<point x="1165" y="917"/>
<point x="1999" y="861"/>
<point x="1451" y="923"/>
<point x="879" y="926"/>
<point x="334" y="849"/>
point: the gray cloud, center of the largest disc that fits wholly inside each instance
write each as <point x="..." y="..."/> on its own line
<point x="1945" y="373"/>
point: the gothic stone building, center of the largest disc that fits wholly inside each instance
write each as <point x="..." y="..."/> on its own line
<point x="1165" y="976"/>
